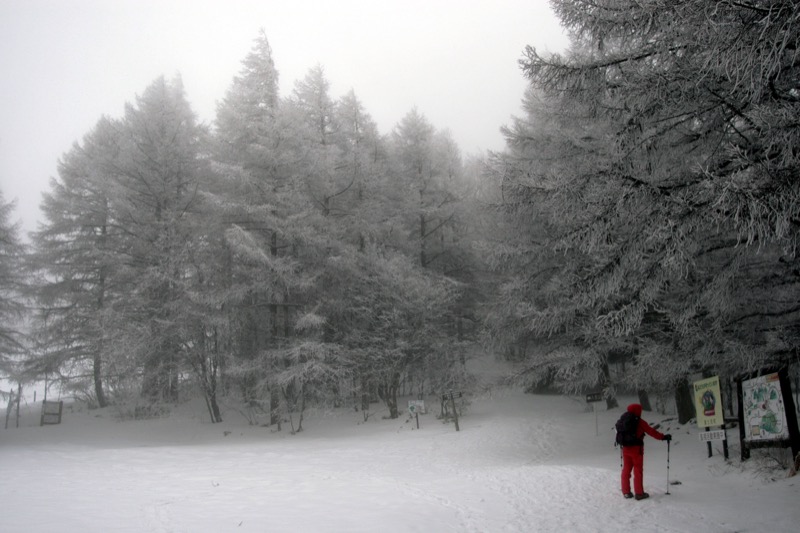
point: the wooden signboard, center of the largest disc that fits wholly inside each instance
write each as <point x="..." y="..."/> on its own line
<point x="51" y="412"/>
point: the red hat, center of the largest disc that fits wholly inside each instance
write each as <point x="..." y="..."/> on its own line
<point x="636" y="409"/>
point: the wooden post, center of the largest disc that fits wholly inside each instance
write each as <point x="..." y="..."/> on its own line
<point x="455" y="412"/>
<point x="10" y="405"/>
<point x="451" y="396"/>
<point x="745" y="451"/>
<point x="725" y="443"/>
<point x="19" y="395"/>
<point x="591" y="399"/>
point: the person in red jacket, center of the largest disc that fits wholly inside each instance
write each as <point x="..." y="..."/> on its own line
<point x="633" y="456"/>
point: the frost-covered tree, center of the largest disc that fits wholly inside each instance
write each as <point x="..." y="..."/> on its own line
<point x="118" y="253"/>
<point x="246" y="197"/>
<point x="157" y="177"/>
<point x="261" y="195"/>
<point x="426" y="195"/>
<point x="76" y="256"/>
<point x="12" y="285"/>
<point x="673" y="189"/>
<point x="390" y="316"/>
<point x="425" y="164"/>
<point x="312" y="97"/>
<point x="362" y="165"/>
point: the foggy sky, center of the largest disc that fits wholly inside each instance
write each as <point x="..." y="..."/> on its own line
<point x="65" y="63"/>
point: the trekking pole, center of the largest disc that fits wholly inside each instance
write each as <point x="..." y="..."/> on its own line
<point x="668" y="442"/>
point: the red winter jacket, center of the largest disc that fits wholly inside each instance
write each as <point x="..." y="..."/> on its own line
<point x="644" y="427"/>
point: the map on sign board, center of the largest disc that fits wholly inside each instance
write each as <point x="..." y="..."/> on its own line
<point x="764" y="413"/>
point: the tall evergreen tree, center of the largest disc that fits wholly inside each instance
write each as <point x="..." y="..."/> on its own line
<point x="674" y="193"/>
<point x="260" y="197"/>
<point x="362" y="165"/>
<point x="157" y="174"/>
<point x="390" y="316"/>
<point x="12" y="285"/>
<point x="76" y="253"/>
<point x="248" y="110"/>
<point x="412" y="142"/>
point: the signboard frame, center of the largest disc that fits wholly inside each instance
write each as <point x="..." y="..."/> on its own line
<point x="773" y="376"/>
<point x="51" y="412"/>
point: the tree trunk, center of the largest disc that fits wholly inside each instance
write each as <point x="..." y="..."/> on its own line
<point x="391" y="396"/>
<point x="684" y="401"/>
<point x="251" y="341"/>
<point x="216" y="416"/>
<point x="172" y="379"/>
<point x="605" y="380"/>
<point x="275" y="407"/>
<point x="365" y="397"/>
<point x="644" y="400"/>
<point x="302" y="407"/>
<point x="19" y="397"/>
<point x="423" y="260"/>
<point x="275" y="393"/>
<point x="97" y="364"/>
<point x="213" y="406"/>
<point x="160" y="380"/>
<point x="728" y="394"/>
<point x="152" y="387"/>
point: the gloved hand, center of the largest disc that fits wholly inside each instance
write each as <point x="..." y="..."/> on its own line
<point x="667" y="437"/>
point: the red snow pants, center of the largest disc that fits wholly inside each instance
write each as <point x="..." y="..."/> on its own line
<point x="632" y="459"/>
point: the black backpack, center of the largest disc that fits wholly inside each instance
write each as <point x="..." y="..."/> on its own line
<point x="626" y="427"/>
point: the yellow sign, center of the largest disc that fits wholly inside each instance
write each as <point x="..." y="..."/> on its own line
<point x="708" y="402"/>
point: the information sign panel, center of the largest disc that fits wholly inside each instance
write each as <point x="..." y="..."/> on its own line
<point x="708" y="403"/>
<point x="764" y="412"/>
<point x="594" y="397"/>
<point x="416" y="407"/>
<point x="51" y="412"/>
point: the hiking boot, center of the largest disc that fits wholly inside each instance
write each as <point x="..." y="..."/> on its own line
<point x="628" y="495"/>
<point x="642" y="496"/>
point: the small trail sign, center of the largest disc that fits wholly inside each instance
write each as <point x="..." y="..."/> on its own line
<point x="594" y="397"/>
<point x="415" y="407"/>
<point x="716" y="434"/>
<point x="449" y="395"/>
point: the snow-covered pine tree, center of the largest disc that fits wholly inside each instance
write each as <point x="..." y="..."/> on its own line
<point x="674" y="207"/>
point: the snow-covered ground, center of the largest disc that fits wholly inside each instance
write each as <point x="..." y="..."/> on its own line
<point x="521" y="463"/>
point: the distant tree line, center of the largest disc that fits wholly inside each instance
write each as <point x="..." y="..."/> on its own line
<point x="289" y="254"/>
<point x="643" y="215"/>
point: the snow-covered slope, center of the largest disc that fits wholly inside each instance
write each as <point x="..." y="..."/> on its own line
<point x="521" y="463"/>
